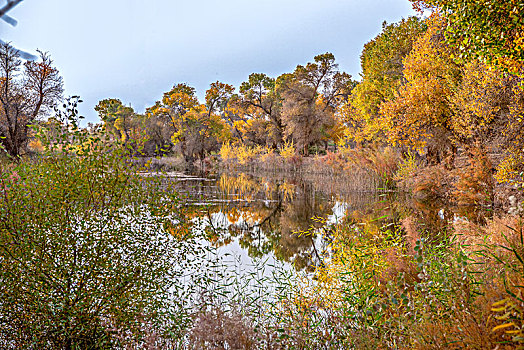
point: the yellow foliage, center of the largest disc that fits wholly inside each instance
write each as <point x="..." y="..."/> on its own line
<point x="36" y="145"/>
<point x="288" y="150"/>
<point x="351" y="250"/>
<point x="381" y="62"/>
<point x="420" y="115"/>
<point x="407" y="167"/>
<point x="287" y="190"/>
<point x="247" y="154"/>
<point x="477" y="101"/>
<point x="510" y="169"/>
<point x="227" y="152"/>
<point x="420" y="108"/>
<point x="243" y="185"/>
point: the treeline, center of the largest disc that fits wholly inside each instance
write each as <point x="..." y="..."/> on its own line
<point x="432" y="87"/>
<point x="300" y="107"/>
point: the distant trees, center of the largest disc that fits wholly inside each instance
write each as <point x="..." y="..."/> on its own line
<point x="196" y="129"/>
<point x="310" y="96"/>
<point x="116" y="117"/>
<point x="27" y="91"/>
<point x="266" y="112"/>
<point x="299" y="107"/>
<point x="416" y="94"/>
<point x="123" y="124"/>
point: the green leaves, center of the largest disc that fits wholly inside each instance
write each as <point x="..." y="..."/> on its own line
<point x="491" y="30"/>
<point x="83" y="253"/>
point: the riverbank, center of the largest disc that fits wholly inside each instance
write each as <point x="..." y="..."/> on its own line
<point x="469" y="180"/>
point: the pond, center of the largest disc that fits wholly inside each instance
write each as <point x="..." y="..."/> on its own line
<point x="288" y="218"/>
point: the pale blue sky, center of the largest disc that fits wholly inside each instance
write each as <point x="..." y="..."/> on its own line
<point x="135" y="50"/>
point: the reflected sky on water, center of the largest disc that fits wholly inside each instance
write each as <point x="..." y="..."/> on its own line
<point x="287" y="219"/>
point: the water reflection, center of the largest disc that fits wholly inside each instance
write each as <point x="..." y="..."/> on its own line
<point x="264" y="215"/>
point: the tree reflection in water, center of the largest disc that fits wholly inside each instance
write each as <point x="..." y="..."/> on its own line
<point x="267" y="216"/>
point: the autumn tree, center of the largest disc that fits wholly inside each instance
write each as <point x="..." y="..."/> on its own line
<point x="511" y="169"/>
<point x="419" y="117"/>
<point x="382" y="63"/>
<point x="310" y="96"/>
<point x="218" y="96"/>
<point x="122" y="123"/>
<point x="196" y="129"/>
<point x="480" y="104"/>
<point x="491" y="30"/>
<point x="159" y="132"/>
<point x="116" y="117"/>
<point x="28" y="91"/>
<point x="260" y="104"/>
<point x="445" y="104"/>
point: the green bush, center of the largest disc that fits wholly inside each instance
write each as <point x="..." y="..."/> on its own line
<point x="86" y="260"/>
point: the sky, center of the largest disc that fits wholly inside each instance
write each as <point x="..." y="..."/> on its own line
<point x="135" y="50"/>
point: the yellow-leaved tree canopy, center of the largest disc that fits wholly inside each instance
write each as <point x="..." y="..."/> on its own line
<point x="490" y="30"/>
<point x="382" y="62"/>
<point x="420" y="114"/>
<point x="444" y="104"/>
<point x="196" y="128"/>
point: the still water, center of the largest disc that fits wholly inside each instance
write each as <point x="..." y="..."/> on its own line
<point x="289" y="218"/>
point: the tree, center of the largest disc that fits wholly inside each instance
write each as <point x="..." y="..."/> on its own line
<point x="158" y="134"/>
<point x="445" y="104"/>
<point x="196" y="129"/>
<point x="419" y="117"/>
<point x="382" y="62"/>
<point x="480" y="104"/>
<point x="511" y="169"/>
<point x="311" y="95"/>
<point x="116" y="117"/>
<point x="25" y="97"/>
<point x="262" y="103"/>
<point x="124" y="124"/>
<point x="218" y="96"/>
<point x="491" y="30"/>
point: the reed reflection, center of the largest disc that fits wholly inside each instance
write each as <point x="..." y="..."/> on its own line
<point x="269" y="215"/>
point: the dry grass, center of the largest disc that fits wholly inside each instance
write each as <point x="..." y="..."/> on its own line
<point x="475" y="184"/>
<point x="214" y="329"/>
<point x="174" y="163"/>
<point x="364" y="166"/>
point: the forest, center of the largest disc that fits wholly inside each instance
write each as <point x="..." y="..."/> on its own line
<point x="100" y="250"/>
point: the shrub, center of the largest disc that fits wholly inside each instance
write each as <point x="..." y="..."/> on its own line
<point x="407" y="167"/>
<point x="247" y="154"/>
<point x="86" y="257"/>
<point x="475" y="185"/>
<point x="289" y="153"/>
<point x="227" y="153"/>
